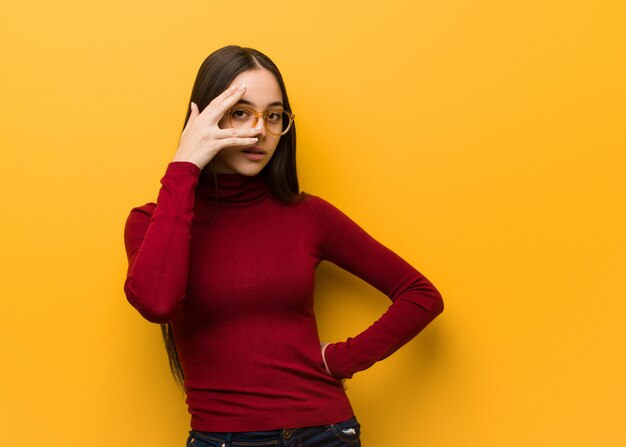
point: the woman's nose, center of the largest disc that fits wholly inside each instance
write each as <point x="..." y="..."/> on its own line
<point x="259" y="126"/>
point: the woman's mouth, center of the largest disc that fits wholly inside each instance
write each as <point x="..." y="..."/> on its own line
<point x="254" y="153"/>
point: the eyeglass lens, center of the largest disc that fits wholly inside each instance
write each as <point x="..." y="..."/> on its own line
<point x="276" y="122"/>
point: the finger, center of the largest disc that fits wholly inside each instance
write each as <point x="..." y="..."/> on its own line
<point x="220" y="134"/>
<point x="218" y="109"/>
<point x="223" y="96"/>
<point x="231" y="142"/>
<point x="194" y="111"/>
<point x="226" y="93"/>
<point x="229" y="92"/>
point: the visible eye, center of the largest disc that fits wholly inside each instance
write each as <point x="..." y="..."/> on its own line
<point x="275" y="116"/>
<point x="240" y="114"/>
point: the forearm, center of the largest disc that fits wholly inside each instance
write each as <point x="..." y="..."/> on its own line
<point x="411" y="312"/>
<point x="159" y="262"/>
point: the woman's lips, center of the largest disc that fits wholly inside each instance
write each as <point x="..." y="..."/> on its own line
<point x="254" y="153"/>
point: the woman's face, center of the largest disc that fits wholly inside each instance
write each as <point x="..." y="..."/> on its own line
<point x="262" y="93"/>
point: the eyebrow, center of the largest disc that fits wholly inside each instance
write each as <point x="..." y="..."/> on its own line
<point x="271" y="104"/>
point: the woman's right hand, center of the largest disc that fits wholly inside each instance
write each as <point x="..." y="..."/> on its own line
<point x="202" y="138"/>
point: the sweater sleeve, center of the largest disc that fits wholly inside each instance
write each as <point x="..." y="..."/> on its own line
<point x="415" y="301"/>
<point x="157" y="237"/>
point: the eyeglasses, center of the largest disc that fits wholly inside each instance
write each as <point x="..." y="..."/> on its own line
<point x="276" y="121"/>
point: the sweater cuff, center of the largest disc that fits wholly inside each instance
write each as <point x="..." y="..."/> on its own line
<point x="185" y="166"/>
<point x="177" y="194"/>
<point x="336" y="363"/>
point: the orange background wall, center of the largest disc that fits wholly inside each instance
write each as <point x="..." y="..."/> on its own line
<point x="483" y="141"/>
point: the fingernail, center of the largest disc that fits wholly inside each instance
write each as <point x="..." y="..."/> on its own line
<point x="242" y="87"/>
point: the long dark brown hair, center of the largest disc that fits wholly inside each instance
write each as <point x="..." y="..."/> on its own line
<point x="214" y="76"/>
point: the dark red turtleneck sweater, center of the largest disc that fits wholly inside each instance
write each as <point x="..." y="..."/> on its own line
<point x="235" y="279"/>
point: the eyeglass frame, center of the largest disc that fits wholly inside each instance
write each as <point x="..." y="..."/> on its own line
<point x="262" y="115"/>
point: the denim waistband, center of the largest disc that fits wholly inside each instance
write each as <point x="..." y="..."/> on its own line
<point x="258" y="438"/>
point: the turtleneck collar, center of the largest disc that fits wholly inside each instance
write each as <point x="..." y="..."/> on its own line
<point x="232" y="189"/>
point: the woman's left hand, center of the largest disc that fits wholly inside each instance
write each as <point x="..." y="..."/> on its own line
<point x="323" y="348"/>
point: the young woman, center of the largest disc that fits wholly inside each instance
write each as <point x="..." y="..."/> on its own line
<point x="225" y="261"/>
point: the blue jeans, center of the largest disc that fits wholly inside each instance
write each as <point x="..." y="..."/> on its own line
<point x="342" y="434"/>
